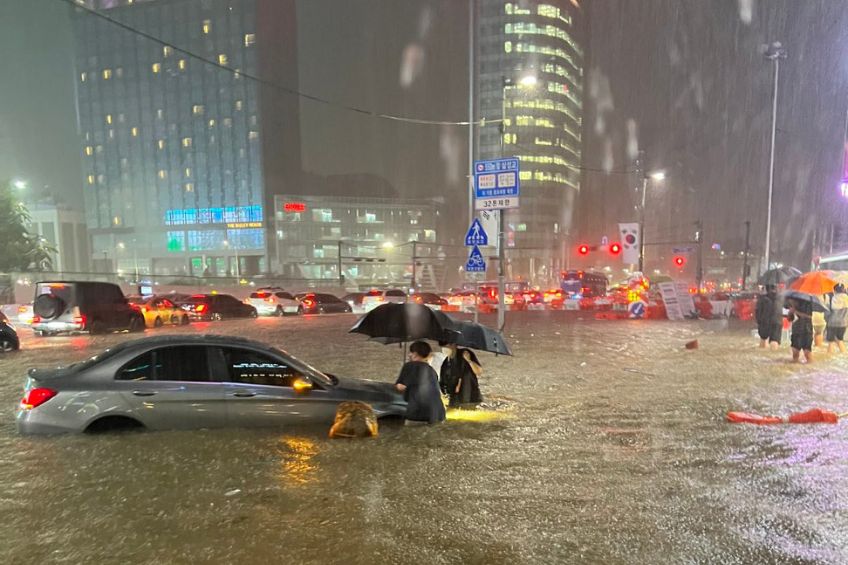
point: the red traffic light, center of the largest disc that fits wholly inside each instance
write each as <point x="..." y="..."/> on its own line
<point x="615" y="248"/>
<point x="679" y="261"/>
<point x="583" y="250"/>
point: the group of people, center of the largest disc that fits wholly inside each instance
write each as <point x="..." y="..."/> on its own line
<point x="422" y="387"/>
<point x="810" y="327"/>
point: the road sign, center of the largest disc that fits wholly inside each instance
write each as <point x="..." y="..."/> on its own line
<point x="636" y="309"/>
<point x="476" y="234"/>
<point x="687" y="249"/>
<point x="489" y="220"/>
<point x="475" y="263"/>
<point x="497" y="183"/>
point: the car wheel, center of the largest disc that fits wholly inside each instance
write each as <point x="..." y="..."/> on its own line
<point x="175" y="320"/>
<point x="184" y="321"/>
<point x="320" y="309"/>
<point x="279" y="312"/>
<point x="96" y="327"/>
<point x="7" y="345"/>
<point x="157" y="323"/>
<point x="300" y="310"/>
<point x="254" y="313"/>
<point x="136" y="324"/>
<point x="216" y="317"/>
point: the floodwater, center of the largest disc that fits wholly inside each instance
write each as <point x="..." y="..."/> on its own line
<point x="614" y="449"/>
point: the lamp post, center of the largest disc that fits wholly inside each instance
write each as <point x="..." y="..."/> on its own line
<point x="775" y="52"/>
<point x="657" y="176"/>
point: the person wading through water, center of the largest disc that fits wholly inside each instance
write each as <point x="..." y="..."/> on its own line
<point x="458" y="377"/>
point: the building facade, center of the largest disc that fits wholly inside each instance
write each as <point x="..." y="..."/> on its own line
<point x="64" y="229"/>
<point x="529" y="67"/>
<point x="369" y="239"/>
<point x="182" y="149"/>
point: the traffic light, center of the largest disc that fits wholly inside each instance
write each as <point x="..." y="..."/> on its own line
<point x="615" y="248"/>
<point x="583" y="249"/>
<point x="679" y="261"/>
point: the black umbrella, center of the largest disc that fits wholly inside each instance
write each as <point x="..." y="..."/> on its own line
<point x="396" y="323"/>
<point x="803" y="296"/>
<point x="477" y="336"/>
<point x="782" y="275"/>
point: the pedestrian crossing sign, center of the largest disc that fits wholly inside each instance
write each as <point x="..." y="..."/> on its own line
<point x="476" y="234"/>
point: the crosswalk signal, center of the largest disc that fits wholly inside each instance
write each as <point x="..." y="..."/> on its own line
<point x="679" y="261"/>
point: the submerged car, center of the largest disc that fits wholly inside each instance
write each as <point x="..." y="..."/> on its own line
<point x="273" y="302"/>
<point x="158" y="311"/>
<point x="75" y="306"/>
<point x="216" y="307"/>
<point x="189" y="382"/>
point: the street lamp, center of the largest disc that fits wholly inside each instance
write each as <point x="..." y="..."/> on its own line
<point x="235" y="250"/>
<point x="657" y="176"/>
<point x="774" y="52"/>
<point x="19" y="184"/>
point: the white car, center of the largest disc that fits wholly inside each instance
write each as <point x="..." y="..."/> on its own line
<point x="374" y="298"/>
<point x="273" y="302"/>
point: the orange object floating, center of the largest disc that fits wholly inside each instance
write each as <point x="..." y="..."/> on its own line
<point x="814" y="416"/>
<point x="746" y="418"/>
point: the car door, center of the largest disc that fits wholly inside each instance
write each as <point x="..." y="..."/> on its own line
<point x="173" y="388"/>
<point x="331" y="304"/>
<point x="264" y="390"/>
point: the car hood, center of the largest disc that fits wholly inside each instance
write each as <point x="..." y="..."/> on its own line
<point x="364" y="389"/>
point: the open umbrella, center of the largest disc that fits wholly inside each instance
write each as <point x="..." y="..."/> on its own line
<point x="397" y="323"/>
<point x="779" y="276"/>
<point x="803" y="296"/>
<point x="816" y="282"/>
<point x="480" y="337"/>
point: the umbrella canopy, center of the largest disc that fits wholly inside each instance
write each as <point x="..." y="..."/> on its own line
<point x="815" y="300"/>
<point x="816" y="282"/>
<point x="477" y="336"/>
<point x="779" y="276"/>
<point x="396" y="323"/>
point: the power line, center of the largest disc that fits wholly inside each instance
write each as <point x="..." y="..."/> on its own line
<point x="270" y="84"/>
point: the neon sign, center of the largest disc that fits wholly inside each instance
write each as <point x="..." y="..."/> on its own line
<point x="294" y="207"/>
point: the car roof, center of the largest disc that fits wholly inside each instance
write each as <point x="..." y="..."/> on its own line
<point x="201" y="339"/>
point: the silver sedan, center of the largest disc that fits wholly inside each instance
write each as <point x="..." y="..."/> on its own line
<point x="185" y="382"/>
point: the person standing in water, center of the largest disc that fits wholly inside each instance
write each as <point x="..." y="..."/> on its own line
<point x="459" y="376"/>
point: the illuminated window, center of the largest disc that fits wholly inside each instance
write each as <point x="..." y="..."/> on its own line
<point x="186" y="142"/>
<point x="134" y="132"/>
<point x="160" y="114"/>
<point x="228" y="122"/>
<point x="167" y="50"/>
<point x="163" y="174"/>
<point x="116" y="221"/>
<point x="160" y="144"/>
<point x="237" y="74"/>
<point x="111" y="134"/>
<point x="239" y="104"/>
<point x="253" y="135"/>
<point x="207" y="26"/>
<point x="253" y="120"/>
<point x="249" y="39"/>
<point x="507" y="46"/>
<point x="222" y="59"/>
<point x="182" y="64"/>
<point x="90" y="179"/>
<point x="107" y="74"/>
<point x="156" y="67"/>
<point x="189" y="187"/>
<point x="211" y="123"/>
<point x="187" y="172"/>
<point x="197" y="109"/>
<point x="89" y="150"/>
<point x="83" y="76"/>
<point x="525" y="175"/>
<point x="108" y="118"/>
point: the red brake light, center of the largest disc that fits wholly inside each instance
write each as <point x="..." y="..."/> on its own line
<point x="80" y="321"/>
<point x="36" y="397"/>
<point x="36" y="319"/>
<point x="201" y="308"/>
<point x="308" y="302"/>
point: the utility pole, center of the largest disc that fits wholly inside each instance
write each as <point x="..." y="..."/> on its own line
<point x="747" y="249"/>
<point x="699" y="238"/>
<point x="775" y="53"/>
<point x="414" y="261"/>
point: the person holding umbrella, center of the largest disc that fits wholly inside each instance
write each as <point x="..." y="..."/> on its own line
<point x="769" y="315"/>
<point x="801" y="316"/>
<point x="458" y="378"/>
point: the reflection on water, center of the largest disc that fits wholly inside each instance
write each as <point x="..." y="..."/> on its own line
<point x="297" y="460"/>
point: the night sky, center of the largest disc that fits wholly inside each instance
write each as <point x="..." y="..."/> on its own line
<point x="683" y="80"/>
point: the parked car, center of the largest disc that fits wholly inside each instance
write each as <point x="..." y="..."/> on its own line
<point x="374" y="298"/>
<point x="158" y="311"/>
<point x="355" y="301"/>
<point x="273" y="302"/>
<point x="434" y="301"/>
<point x="320" y="303"/>
<point x="216" y="307"/>
<point x="189" y="382"/>
<point x="8" y="336"/>
<point x="69" y="306"/>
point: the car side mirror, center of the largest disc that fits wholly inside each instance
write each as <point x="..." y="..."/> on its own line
<point x="302" y="385"/>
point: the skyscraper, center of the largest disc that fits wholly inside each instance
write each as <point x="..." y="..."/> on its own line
<point x="529" y="67"/>
<point x="183" y="151"/>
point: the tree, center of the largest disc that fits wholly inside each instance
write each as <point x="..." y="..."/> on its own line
<point x="19" y="249"/>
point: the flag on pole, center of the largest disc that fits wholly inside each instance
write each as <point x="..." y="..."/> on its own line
<point x="630" y="241"/>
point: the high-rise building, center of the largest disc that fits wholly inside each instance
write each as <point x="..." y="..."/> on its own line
<point x="529" y="68"/>
<point x="183" y="151"/>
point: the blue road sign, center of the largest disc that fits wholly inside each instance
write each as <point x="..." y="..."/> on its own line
<point x="637" y="309"/>
<point x="497" y="178"/>
<point x="475" y="263"/>
<point x="476" y="234"/>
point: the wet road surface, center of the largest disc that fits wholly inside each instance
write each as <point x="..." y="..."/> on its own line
<point x="615" y="450"/>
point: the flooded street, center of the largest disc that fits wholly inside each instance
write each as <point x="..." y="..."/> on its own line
<point x="614" y="450"/>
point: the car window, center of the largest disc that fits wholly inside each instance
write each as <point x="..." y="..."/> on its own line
<point x="139" y="369"/>
<point x="328" y="298"/>
<point x="251" y="367"/>
<point x="395" y="293"/>
<point x="285" y="295"/>
<point x="183" y="363"/>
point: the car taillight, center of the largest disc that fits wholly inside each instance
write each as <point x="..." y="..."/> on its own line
<point x="378" y="298"/>
<point x="269" y="299"/>
<point x="80" y="321"/>
<point x="201" y="308"/>
<point x="36" y="397"/>
<point x="36" y="319"/>
<point x="309" y="303"/>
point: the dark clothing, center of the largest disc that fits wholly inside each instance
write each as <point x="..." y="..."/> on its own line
<point x="802" y="325"/>
<point x="835" y="334"/>
<point x="423" y="401"/>
<point x="769" y="315"/>
<point x="457" y="370"/>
